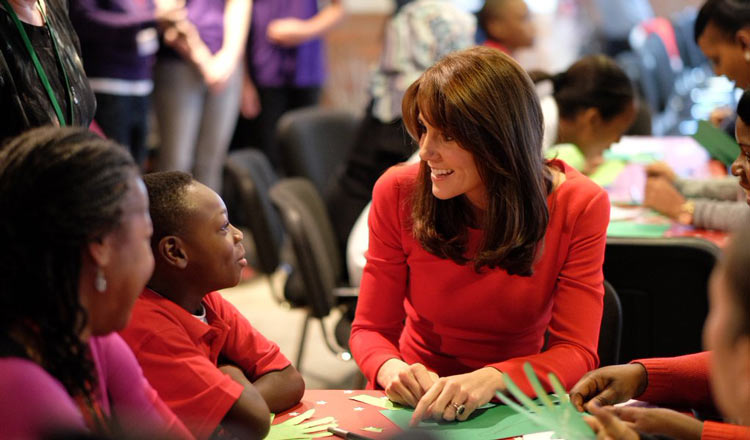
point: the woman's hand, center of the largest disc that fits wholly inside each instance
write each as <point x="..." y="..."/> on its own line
<point x="663" y="197"/>
<point x="403" y="383"/>
<point x="609" y="385"/>
<point x="470" y="391"/>
<point x="218" y="70"/>
<point x="661" y="421"/>
<point x="607" y="426"/>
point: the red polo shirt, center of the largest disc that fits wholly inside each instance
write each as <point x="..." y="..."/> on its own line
<point x="179" y="355"/>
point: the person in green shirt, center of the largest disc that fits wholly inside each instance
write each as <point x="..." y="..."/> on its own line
<point x="592" y="104"/>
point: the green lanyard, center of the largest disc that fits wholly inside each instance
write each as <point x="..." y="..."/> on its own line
<point x="38" y="65"/>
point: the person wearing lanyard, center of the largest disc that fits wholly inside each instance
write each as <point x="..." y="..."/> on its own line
<point x="42" y="80"/>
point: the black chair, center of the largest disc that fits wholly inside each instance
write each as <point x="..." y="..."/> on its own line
<point x="662" y="284"/>
<point x="610" y="331"/>
<point x="318" y="262"/>
<point x="315" y="142"/>
<point x="248" y="177"/>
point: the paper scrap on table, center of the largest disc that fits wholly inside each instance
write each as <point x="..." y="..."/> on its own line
<point x="380" y="402"/>
<point x="372" y="429"/>
<point x="294" y="428"/>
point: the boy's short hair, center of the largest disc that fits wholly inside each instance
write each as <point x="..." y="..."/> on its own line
<point x="490" y="10"/>
<point x="166" y="194"/>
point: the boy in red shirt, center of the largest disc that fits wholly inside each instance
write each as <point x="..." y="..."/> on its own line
<point x="210" y="366"/>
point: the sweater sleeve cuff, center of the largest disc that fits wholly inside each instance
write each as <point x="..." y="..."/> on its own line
<point x="723" y="431"/>
<point x="659" y="383"/>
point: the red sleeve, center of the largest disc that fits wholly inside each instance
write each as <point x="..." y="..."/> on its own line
<point x="578" y="298"/>
<point x="139" y="406"/>
<point x="724" y="431"/>
<point x="380" y="312"/>
<point x="678" y="381"/>
<point x="246" y="346"/>
<point x="193" y="387"/>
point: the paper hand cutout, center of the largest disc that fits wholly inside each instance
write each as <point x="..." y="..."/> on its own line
<point x="561" y="417"/>
<point x="293" y="428"/>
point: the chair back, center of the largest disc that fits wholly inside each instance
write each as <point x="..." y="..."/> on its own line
<point x="309" y="229"/>
<point x="248" y="178"/>
<point x="657" y="69"/>
<point x="315" y="142"/>
<point x="610" y="331"/>
<point x="662" y="284"/>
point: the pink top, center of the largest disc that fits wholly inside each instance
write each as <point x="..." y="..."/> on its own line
<point x="40" y="403"/>
<point x="418" y="307"/>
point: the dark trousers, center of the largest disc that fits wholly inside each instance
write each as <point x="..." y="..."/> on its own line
<point x="261" y="131"/>
<point x="124" y="119"/>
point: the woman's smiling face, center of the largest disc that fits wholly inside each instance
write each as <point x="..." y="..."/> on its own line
<point x="453" y="171"/>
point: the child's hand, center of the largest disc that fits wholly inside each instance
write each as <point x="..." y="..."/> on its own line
<point x="607" y="426"/>
<point x="609" y="385"/>
<point x="661" y="421"/>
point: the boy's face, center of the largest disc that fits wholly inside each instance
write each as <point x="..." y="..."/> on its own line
<point x="213" y="246"/>
<point x="512" y="26"/>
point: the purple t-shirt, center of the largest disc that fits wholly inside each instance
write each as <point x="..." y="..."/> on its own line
<point x="40" y="403"/>
<point x="208" y="18"/>
<point x="276" y="66"/>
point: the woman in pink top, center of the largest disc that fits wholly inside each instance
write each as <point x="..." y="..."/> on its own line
<point x="480" y="250"/>
<point x="75" y="254"/>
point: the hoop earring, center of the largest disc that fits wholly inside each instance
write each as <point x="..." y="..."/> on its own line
<point x="100" y="283"/>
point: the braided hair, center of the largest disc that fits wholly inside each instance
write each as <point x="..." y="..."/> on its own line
<point x="60" y="189"/>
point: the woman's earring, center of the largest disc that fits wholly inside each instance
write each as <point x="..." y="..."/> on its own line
<point x="747" y="56"/>
<point x="100" y="283"/>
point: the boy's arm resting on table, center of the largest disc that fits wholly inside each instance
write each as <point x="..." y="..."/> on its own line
<point x="281" y="389"/>
<point x="260" y="359"/>
<point x="186" y="379"/>
<point x="249" y="416"/>
<point x="577" y="308"/>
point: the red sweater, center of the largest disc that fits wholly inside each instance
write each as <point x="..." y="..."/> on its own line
<point x="418" y="307"/>
<point x="683" y="381"/>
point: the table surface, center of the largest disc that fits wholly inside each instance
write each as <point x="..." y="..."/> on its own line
<point x="350" y="415"/>
<point x="686" y="157"/>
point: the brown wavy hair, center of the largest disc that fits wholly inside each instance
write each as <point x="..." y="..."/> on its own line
<point x="487" y="102"/>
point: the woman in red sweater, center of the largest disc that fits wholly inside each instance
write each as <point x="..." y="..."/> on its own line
<point x="479" y="249"/>
<point x="691" y="381"/>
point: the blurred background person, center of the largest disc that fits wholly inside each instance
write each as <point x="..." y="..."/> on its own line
<point x="197" y="86"/>
<point x="286" y="67"/>
<point x="54" y="90"/>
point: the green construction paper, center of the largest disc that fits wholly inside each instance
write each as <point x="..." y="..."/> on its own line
<point x="719" y="145"/>
<point x="296" y="428"/>
<point x="625" y="228"/>
<point x="381" y="402"/>
<point x="499" y="421"/>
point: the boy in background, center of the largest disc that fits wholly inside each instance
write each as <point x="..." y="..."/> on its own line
<point x="507" y="25"/>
